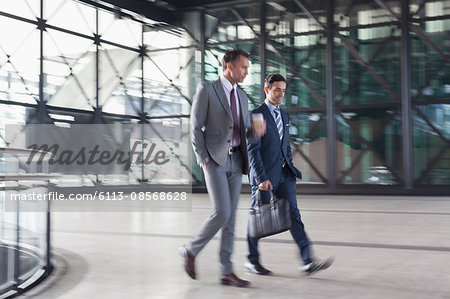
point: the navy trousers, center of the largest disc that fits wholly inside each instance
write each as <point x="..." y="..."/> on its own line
<point x="285" y="188"/>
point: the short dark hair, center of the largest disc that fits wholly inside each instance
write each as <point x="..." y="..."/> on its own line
<point x="232" y="55"/>
<point x="268" y="82"/>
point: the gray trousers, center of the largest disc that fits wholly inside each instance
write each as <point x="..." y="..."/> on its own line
<point x="224" y="187"/>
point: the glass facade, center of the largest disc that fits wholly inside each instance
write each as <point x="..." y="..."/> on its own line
<point x="430" y="92"/>
<point x="296" y="48"/>
<point x="368" y="95"/>
<point x="368" y="91"/>
<point x="76" y="64"/>
<point x="68" y="62"/>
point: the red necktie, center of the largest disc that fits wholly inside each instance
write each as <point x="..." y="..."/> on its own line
<point x="236" y="133"/>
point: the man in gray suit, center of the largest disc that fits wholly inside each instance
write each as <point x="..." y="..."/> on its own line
<point x="220" y="125"/>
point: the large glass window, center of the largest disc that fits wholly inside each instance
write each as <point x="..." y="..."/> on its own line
<point x="228" y="28"/>
<point x="29" y="9"/>
<point x="107" y="67"/>
<point x="296" y="48"/>
<point x="431" y="131"/>
<point x="69" y="70"/>
<point x="235" y="23"/>
<point x="119" y="80"/>
<point x="19" y="61"/>
<point x="368" y="94"/>
<point x="119" y="30"/>
<point x="70" y="15"/>
<point x="430" y="91"/>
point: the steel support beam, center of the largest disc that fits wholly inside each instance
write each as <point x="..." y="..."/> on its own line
<point x="150" y="9"/>
<point x="407" y="140"/>
<point x="202" y="44"/>
<point x="41" y="102"/>
<point x="97" y="117"/>
<point x="330" y="102"/>
<point x="142" y="114"/>
<point x="262" y="47"/>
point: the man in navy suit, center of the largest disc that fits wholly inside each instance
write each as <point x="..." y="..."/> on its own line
<point x="271" y="168"/>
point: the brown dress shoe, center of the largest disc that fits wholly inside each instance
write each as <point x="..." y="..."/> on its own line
<point x="189" y="261"/>
<point x="233" y="280"/>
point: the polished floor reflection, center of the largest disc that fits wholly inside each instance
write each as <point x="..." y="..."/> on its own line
<point x="385" y="247"/>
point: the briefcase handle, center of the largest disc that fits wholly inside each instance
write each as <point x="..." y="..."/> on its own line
<point x="259" y="200"/>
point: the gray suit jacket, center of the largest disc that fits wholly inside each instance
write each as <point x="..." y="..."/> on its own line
<point x="212" y="124"/>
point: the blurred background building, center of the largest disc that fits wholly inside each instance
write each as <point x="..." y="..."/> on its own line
<point x="368" y="88"/>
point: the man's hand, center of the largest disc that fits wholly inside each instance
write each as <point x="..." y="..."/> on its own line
<point x="258" y="125"/>
<point x="265" y="186"/>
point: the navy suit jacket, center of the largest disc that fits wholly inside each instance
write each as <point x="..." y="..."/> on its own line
<point x="266" y="153"/>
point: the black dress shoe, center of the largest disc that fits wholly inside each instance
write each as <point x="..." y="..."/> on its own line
<point x="232" y="280"/>
<point x="189" y="262"/>
<point x="257" y="268"/>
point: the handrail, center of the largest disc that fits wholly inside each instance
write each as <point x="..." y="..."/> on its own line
<point x="23" y="151"/>
<point x="7" y="177"/>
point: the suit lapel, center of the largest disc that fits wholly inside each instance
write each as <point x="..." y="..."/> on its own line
<point x="269" y="117"/>
<point x="218" y="88"/>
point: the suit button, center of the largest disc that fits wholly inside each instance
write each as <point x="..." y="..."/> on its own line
<point x="228" y="141"/>
<point x="231" y="128"/>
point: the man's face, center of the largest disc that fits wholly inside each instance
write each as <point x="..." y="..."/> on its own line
<point x="239" y="70"/>
<point x="275" y="95"/>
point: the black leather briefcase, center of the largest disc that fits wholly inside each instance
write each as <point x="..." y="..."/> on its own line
<point x="270" y="218"/>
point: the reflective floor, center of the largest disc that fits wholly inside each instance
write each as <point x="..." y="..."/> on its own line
<point x="384" y="246"/>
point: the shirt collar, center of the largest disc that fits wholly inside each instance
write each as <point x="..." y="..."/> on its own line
<point x="270" y="106"/>
<point x="226" y="84"/>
